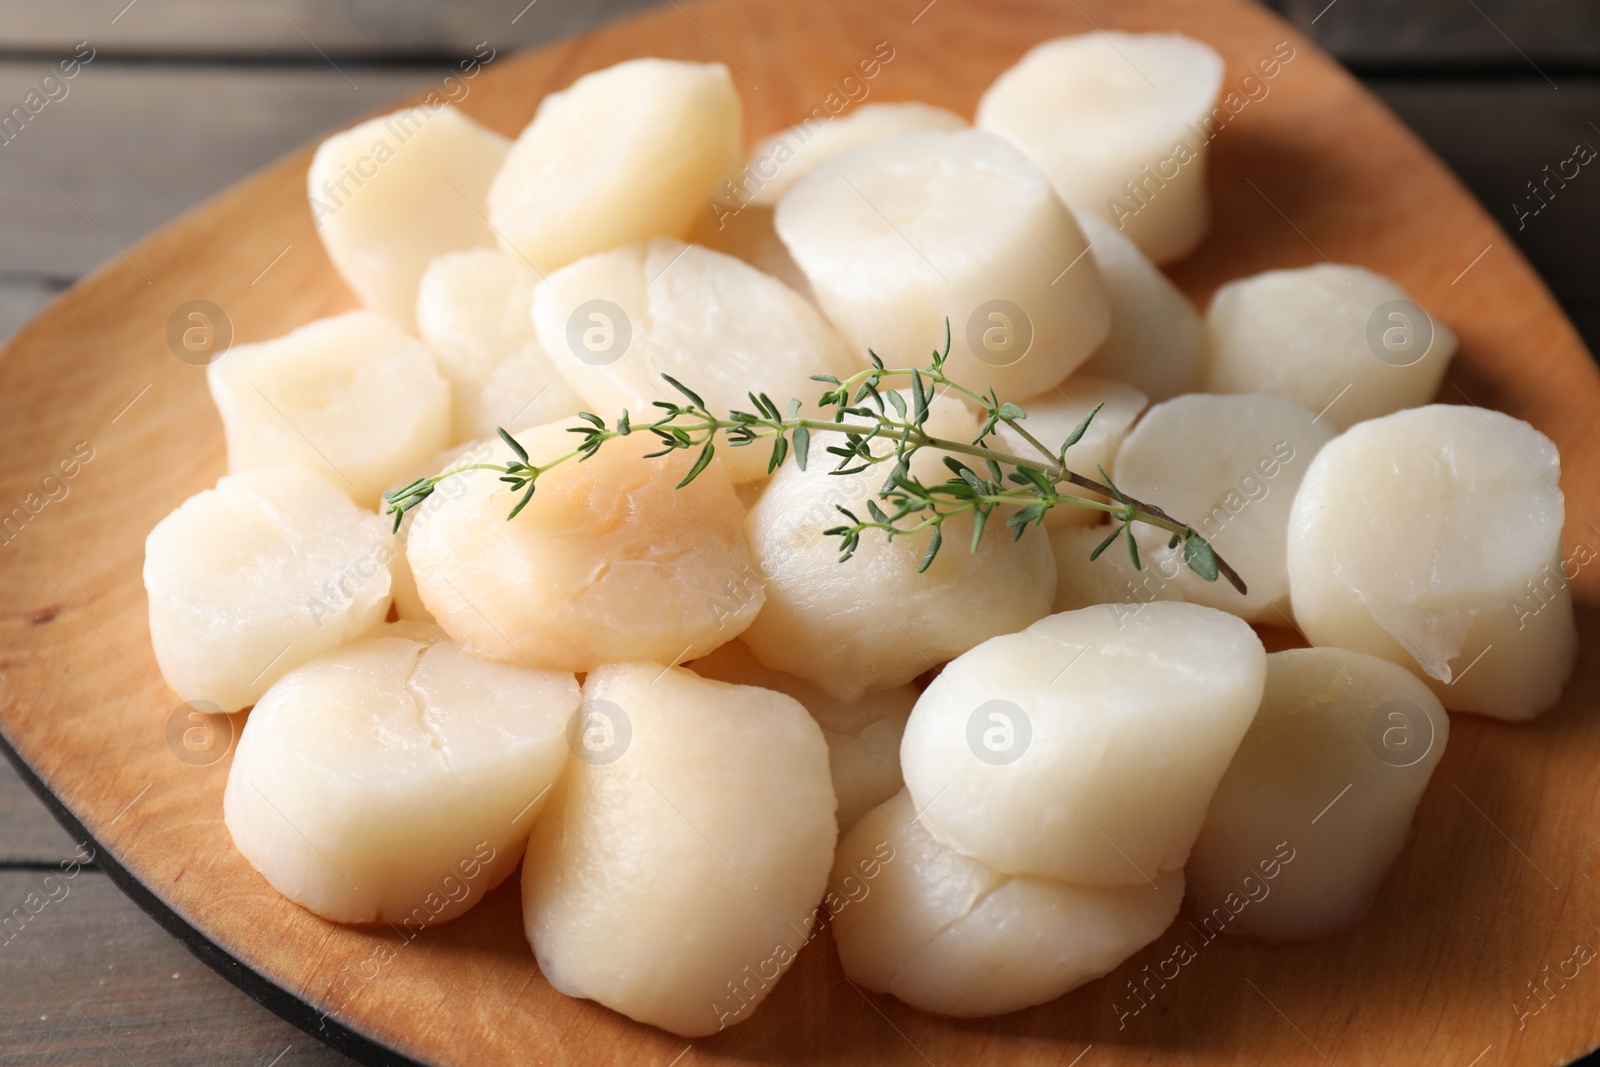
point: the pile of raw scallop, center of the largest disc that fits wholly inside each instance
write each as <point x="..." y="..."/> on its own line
<point x="705" y="739"/>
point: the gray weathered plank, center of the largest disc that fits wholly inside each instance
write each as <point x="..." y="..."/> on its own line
<point x="1445" y="33"/>
<point x="131" y="146"/>
<point x="307" y="28"/>
<point x="28" y="833"/>
<point x="90" y="979"/>
<point x="1449" y="32"/>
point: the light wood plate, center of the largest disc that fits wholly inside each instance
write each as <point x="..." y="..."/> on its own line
<point x="1494" y="886"/>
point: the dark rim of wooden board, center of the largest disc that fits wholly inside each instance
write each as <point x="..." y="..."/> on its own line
<point x="268" y="994"/>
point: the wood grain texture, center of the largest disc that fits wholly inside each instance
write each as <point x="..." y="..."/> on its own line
<point x="20" y="301"/>
<point x="123" y="995"/>
<point x="80" y="182"/>
<point x="28" y="835"/>
<point x="1496" y="881"/>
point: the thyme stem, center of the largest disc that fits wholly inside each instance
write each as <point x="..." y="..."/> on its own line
<point x="905" y="505"/>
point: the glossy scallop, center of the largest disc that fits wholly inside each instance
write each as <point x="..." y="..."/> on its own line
<point x="258" y="575"/>
<point x="396" y="779"/>
<point x="682" y="859"/>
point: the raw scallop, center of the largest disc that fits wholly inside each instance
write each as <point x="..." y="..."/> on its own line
<point x="947" y="934"/>
<point x="608" y="559"/>
<point x="795" y="152"/>
<point x="1229" y="466"/>
<point x="1157" y="342"/>
<point x="903" y="234"/>
<point x="354" y="397"/>
<point x="1086" y="747"/>
<point x="1337" y="339"/>
<point x="258" y="575"/>
<point x="1053" y="416"/>
<point x="472" y="311"/>
<point x="1330" y="773"/>
<point x="680" y="866"/>
<point x="396" y="779"/>
<point x="623" y="154"/>
<point x="390" y="195"/>
<point x="875" y="622"/>
<point x="614" y="323"/>
<point x="1432" y="538"/>
<point x="863" y="735"/>
<point x="1118" y="122"/>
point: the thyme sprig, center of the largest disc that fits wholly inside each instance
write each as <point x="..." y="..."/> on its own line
<point x="877" y="426"/>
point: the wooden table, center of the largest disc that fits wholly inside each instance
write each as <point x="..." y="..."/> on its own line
<point x="182" y="97"/>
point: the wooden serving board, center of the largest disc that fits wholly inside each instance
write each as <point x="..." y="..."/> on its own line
<point x="1494" y="886"/>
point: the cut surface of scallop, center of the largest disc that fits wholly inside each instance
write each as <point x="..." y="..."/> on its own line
<point x="876" y="621"/>
<point x="408" y="603"/>
<point x="473" y="312"/>
<point x="1086" y="747"/>
<point x="1111" y="577"/>
<point x="258" y="575"/>
<point x="1229" y="466"/>
<point x="863" y="735"/>
<point x="775" y="164"/>
<point x="679" y="868"/>
<point x="623" y="154"/>
<point x="1053" y="416"/>
<point x="902" y="234"/>
<point x="1331" y="771"/>
<point x="751" y="235"/>
<point x="948" y="934"/>
<point x="395" y="779"/>
<point x="1117" y="120"/>
<point x="614" y="323"/>
<point x="1337" y="339"/>
<point x="608" y="558"/>
<point x="390" y="195"/>
<point x="353" y="397"/>
<point x="1432" y="538"/>
<point x="1157" y="341"/>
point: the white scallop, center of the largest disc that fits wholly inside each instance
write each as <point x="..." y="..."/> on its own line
<point x="875" y="622"/>
<point x="1117" y="121"/>
<point x="1331" y="771"/>
<point x="681" y="861"/>
<point x="393" y="193"/>
<point x="396" y="779"/>
<point x="1337" y="339"/>
<point x="408" y="603"/>
<point x="623" y="154"/>
<point x="1228" y="466"/>
<point x="751" y="235"/>
<point x="900" y="235"/>
<point x="472" y="311"/>
<point x="791" y="154"/>
<point x="608" y="560"/>
<point x="948" y="934"/>
<point x="1087" y="746"/>
<point x="1432" y="538"/>
<point x="1111" y="577"/>
<point x="1054" y="415"/>
<point x="1157" y="342"/>
<point x="863" y="735"/>
<point x="258" y="575"/>
<point x="714" y="323"/>
<point x="353" y="396"/>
